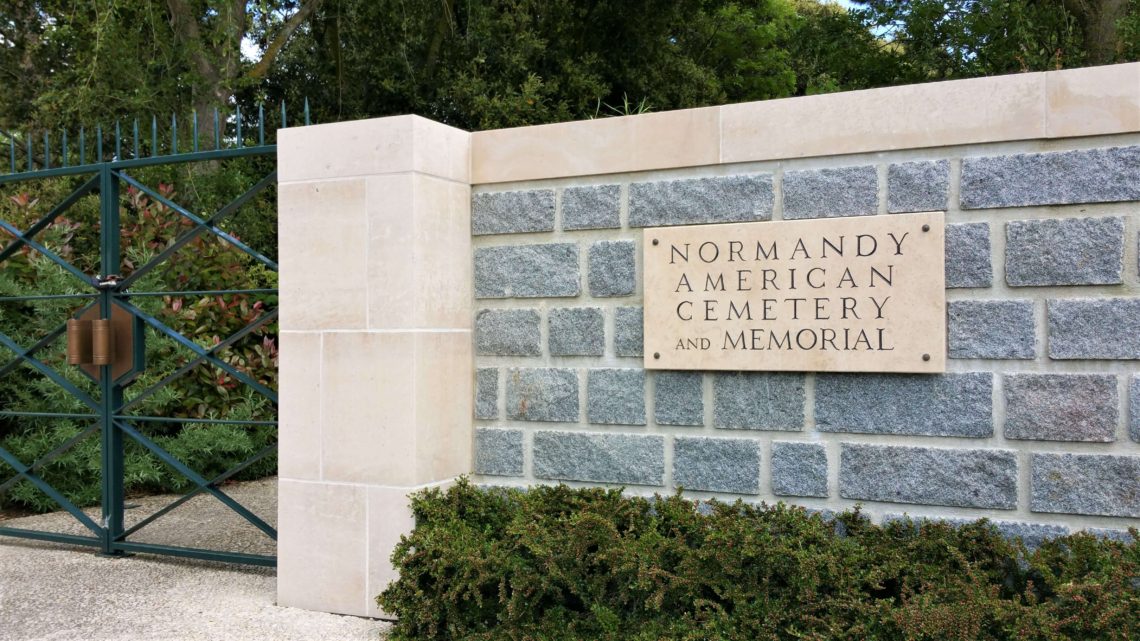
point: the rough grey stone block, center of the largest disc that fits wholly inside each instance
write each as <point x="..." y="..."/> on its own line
<point x="1032" y="534"/>
<point x="1134" y="408"/>
<point x="616" y="396"/>
<point x="591" y="207"/>
<point x="507" y="332"/>
<point x="968" y="255"/>
<point x="824" y="514"/>
<point x="720" y="199"/>
<point x="939" y="405"/>
<point x="678" y="398"/>
<point x="542" y="394"/>
<point x="999" y="329"/>
<point x="628" y="328"/>
<point x="758" y="401"/>
<point x="918" y="186"/>
<point x="577" y="331"/>
<point x="919" y="521"/>
<point x="512" y="212"/>
<point x="1105" y="328"/>
<point x="613" y="268"/>
<point x="1057" y="178"/>
<point x="1061" y="407"/>
<point x="819" y="193"/>
<point x="527" y="271"/>
<point x="929" y="476"/>
<point x="717" y="464"/>
<point x="487" y="393"/>
<point x="1123" y="536"/>
<point x="1091" y="484"/>
<point x="498" y="452"/>
<point x="602" y="458"/>
<point x="799" y="469"/>
<point x="1073" y="251"/>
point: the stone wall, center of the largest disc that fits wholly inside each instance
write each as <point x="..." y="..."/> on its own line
<point x="1035" y="424"/>
<point x="419" y="261"/>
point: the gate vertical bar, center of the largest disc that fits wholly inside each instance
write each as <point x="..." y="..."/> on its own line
<point x="112" y="394"/>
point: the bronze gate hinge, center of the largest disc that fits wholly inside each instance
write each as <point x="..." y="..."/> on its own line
<point x="94" y="342"/>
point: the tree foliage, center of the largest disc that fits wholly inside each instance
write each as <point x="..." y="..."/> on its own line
<point x="939" y="39"/>
<point x="510" y="62"/>
<point x="66" y="62"/>
<point x="494" y="63"/>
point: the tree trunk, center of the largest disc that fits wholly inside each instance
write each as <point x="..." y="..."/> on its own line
<point x="213" y="90"/>
<point x="217" y="55"/>
<point x="1098" y="22"/>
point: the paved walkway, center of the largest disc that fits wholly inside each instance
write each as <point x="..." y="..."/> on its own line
<point x="55" y="592"/>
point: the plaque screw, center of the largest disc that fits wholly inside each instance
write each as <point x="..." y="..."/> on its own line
<point x="926" y="357"/>
<point x="926" y="228"/>
<point x="655" y="241"/>
<point x="656" y="355"/>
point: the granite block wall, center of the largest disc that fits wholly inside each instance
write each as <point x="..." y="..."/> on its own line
<point x="1035" y="424"/>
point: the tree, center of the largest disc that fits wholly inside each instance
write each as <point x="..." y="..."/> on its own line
<point x="494" y="63"/>
<point x="1098" y="20"/>
<point x="67" y="62"/>
<point x="210" y="35"/>
<point x="940" y="39"/>
<point x="833" y="50"/>
<point x="479" y="64"/>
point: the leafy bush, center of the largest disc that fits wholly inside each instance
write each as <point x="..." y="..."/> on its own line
<point x="556" y="563"/>
<point x="203" y="392"/>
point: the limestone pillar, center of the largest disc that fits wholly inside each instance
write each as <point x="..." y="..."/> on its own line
<point x="376" y="363"/>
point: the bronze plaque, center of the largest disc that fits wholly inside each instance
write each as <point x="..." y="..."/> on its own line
<point x="857" y="294"/>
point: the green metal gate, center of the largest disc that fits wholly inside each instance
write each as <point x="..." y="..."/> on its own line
<point x="106" y="333"/>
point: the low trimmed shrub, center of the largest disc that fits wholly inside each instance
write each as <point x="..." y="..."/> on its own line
<point x="555" y="563"/>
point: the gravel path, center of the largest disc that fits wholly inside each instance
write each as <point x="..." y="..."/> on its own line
<point x="56" y="592"/>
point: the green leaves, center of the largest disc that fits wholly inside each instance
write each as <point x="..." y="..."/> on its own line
<point x="937" y="40"/>
<point x="481" y="64"/>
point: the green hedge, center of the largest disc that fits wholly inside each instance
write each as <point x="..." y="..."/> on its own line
<point x="557" y="563"/>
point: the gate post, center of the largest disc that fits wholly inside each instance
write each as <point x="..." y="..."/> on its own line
<point x="376" y="366"/>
